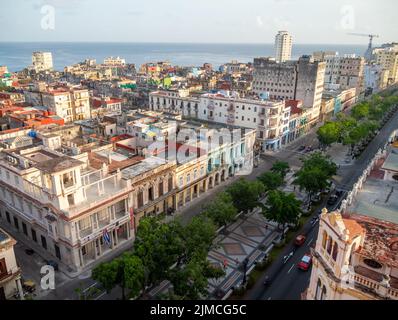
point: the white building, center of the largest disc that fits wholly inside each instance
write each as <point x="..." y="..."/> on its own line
<point x="387" y="57"/>
<point x="174" y="101"/>
<point x="114" y="61"/>
<point x="10" y="273"/>
<point x="42" y="61"/>
<point x="69" y="103"/>
<point x="283" y="46"/>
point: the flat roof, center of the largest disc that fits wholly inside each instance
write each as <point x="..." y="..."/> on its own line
<point x="378" y="199"/>
<point x="58" y="164"/>
<point x="391" y="162"/>
<point x="142" y="167"/>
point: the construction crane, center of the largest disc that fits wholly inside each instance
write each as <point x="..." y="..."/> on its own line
<point x="368" y="54"/>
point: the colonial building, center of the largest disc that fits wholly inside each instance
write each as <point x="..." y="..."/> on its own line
<point x="10" y="273"/>
<point x="356" y="253"/>
<point x="42" y="61"/>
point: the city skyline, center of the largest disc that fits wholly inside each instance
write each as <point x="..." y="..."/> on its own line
<point x="258" y="22"/>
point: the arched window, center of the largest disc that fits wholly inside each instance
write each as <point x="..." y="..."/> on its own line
<point x="330" y="244"/>
<point x="324" y="239"/>
<point x="335" y="251"/>
<point x="323" y="295"/>
<point x="318" y="289"/>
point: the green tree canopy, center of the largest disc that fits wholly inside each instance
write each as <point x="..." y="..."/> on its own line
<point x="282" y="207"/>
<point x="321" y="161"/>
<point x="271" y="180"/>
<point x="329" y="133"/>
<point x="281" y="167"/>
<point x="245" y="194"/>
<point x="221" y="210"/>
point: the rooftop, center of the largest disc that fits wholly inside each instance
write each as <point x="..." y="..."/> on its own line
<point x="58" y="164"/>
<point x="142" y="167"/>
<point x="381" y="239"/>
<point x="391" y="162"/>
<point x="378" y="199"/>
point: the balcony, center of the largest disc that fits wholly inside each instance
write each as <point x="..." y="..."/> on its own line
<point x="262" y="114"/>
<point x="210" y="117"/>
<point x="231" y="120"/>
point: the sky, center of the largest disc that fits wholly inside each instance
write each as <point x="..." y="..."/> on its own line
<point x="198" y="21"/>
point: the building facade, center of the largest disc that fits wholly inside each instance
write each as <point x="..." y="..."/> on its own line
<point x="344" y="72"/>
<point x="10" y="273"/>
<point x="292" y="80"/>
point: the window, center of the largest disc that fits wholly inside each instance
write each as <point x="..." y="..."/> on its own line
<point x="24" y="228"/>
<point x="160" y="188"/>
<point x="34" y="236"/>
<point x="181" y="181"/>
<point x="188" y="178"/>
<point x="335" y="251"/>
<point x="16" y="223"/>
<point x="57" y="252"/>
<point x="8" y="217"/>
<point x="3" y="268"/>
<point x="150" y="194"/>
<point x="43" y="242"/>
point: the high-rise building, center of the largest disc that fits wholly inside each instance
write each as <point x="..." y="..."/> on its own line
<point x="291" y="80"/>
<point x="42" y="61"/>
<point x="283" y="46"/>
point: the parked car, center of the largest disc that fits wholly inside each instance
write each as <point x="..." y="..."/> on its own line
<point x="305" y="262"/>
<point x="300" y="239"/>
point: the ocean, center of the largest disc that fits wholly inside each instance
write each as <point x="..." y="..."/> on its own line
<point x="17" y="55"/>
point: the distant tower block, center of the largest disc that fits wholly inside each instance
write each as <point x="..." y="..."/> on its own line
<point x="283" y="46"/>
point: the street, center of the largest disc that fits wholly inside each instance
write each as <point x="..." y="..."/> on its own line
<point x="287" y="282"/>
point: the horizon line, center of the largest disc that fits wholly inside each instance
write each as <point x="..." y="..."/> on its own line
<point x="198" y="43"/>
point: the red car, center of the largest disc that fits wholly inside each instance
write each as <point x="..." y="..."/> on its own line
<point x="305" y="262"/>
<point x="300" y="239"/>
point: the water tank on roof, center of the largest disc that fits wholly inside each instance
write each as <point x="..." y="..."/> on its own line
<point x="32" y="134"/>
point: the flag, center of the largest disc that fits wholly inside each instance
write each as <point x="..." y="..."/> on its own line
<point x="106" y="236"/>
<point x="132" y="218"/>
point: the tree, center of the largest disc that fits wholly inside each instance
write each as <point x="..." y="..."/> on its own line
<point x="271" y="180"/>
<point x="245" y="194"/>
<point x="134" y="274"/>
<point x="312" y="180"/>
<point x="319" y="160"/>
<point x="197" y="239"/>
<point x="360" y="111"/>
<point x="158" y="245"/>
<point x="329" y="133"/>
<point x="280" y="167"/>
<point x="282" y="207"/>
<point x="191" y="280"/>
<point x="315" y="173"/>
<point x="221" y="210"/>
<point x="126" y="271"/>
